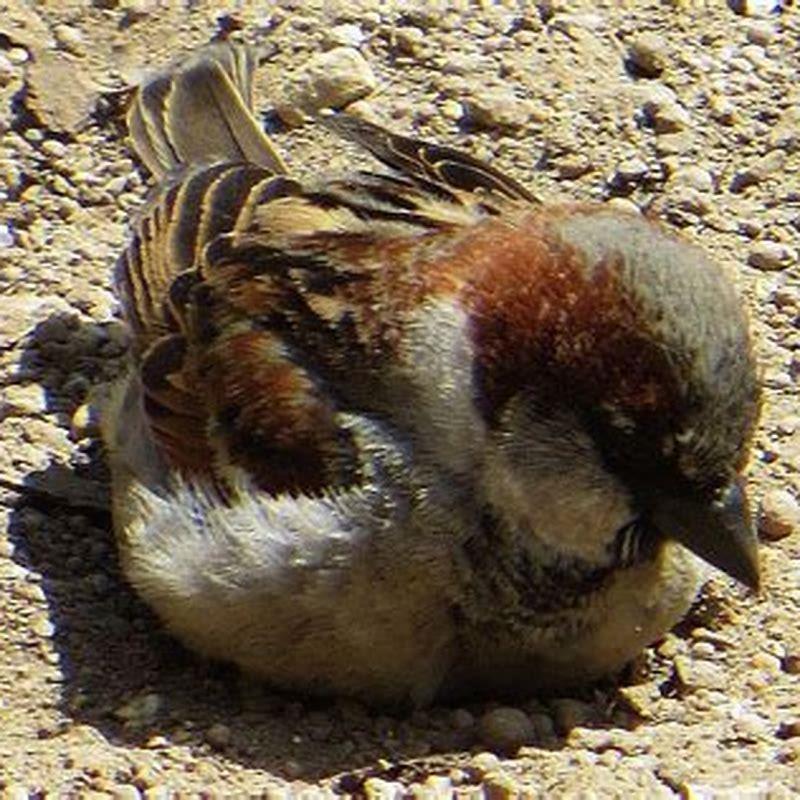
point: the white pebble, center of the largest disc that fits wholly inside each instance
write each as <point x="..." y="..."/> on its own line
<point x="497" y="108"/>
<point x="699" y="674"/>
<point x="329" y="80"/>
<point x="693" y="177"/>
<point x="648" y="54"/>
<point x="630" y="170"/>
<point x="6" y="235"/>
<point x="779" y="515"/>
<point x="755" y="8"/>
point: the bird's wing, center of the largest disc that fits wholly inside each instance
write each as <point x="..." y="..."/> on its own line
<point x="252" y="297"/>
<point x="430" y="165"/>
<point x="200" y="111"/>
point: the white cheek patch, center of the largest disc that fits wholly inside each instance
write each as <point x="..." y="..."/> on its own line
<point x="545" y="478"/>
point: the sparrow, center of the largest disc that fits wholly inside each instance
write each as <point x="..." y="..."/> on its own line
<point x="412" y="435"/>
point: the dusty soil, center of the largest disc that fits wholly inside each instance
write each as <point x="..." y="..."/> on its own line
<point x="699" y="123"/>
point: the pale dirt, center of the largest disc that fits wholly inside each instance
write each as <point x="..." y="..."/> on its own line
<point x="95" y="700"/>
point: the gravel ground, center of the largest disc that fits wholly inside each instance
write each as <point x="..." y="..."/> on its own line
<point x="687" y="110"/>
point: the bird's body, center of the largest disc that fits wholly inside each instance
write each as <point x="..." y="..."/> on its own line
<point x="413" y="435"/>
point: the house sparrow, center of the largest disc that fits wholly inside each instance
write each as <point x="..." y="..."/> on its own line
<point x="413" y="435"/>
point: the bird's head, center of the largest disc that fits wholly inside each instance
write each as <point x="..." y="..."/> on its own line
<point x="615" y="367"/>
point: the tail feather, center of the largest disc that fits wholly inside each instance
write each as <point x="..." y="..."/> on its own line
<point x="199" y="113"/>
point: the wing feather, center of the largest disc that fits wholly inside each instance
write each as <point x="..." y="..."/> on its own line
<point x="251" y="295"/>
<point x="431" y="165"/>
<point x="201" y="111"/>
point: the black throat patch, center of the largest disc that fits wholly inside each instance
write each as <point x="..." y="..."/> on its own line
<point x="510" y="589"/>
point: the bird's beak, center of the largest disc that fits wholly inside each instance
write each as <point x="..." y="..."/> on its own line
<point x="719" y="531"/>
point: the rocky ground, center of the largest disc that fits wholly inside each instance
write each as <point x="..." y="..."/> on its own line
<point x="689" y="110"/>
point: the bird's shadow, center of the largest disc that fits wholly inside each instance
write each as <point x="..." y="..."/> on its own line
<point x="124" y="675"/>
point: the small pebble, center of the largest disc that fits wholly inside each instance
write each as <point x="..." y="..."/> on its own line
<point x="141" y="710"/>
<point x="18" y="55"/>
<point x="574" y="24"/>
<point x="501" y="786"/>
<point x="496" y="108"/>
<point x="457" y="64"/>
<point x="277" y="793"/>
<point x="779" y="515"/>
<point x="640" y="699"/>
<point x="408" y="40"/>
<point x="667" y="117"/>
<point x="755" y="8"/>
<point x="34" y="136"/>
<point x="723" y="110"/>
<point x="715" y="638"/>
<point x="134" y="11"/>
<point x="15" y="791"/>
<point x="760" y="32"/>
<point x="437" y="786"/>
<point x="768" y="663"/>
<point x="506" y="729"/>
<point x="770" y="256"/>
<point x="23" y="400"/>
<point x="43" y="628"/>
<point x="624" y="204"/>
<point x="790" y="664"/>
<point x="703" y="650"/>
<point x="452" y="110"/>
<point x="789" y="730"/>
<point x="754" y="54"/>
<point x="157" y="742"/>
<point x="543" y="726"/>
<point x="670" y="144"/>
<point x="484" y="763"/>
<point x="752" y="228"/>
<point x="461" y="719"/>
<point x="684" y="199"/>
<point x="328" y="80"/>
<point x="765" y="167"/>
<point x="158" y="792"/>
<point x="693" y="177"/>
<point x="785" y="133"/>
<point x="69" y="38"/>
<point x="126" y="791"/>
<point x="346" y="35"/>
<point x="569" y="714"/>
<point x="648" y="55"/>
<point x="117" y="185"/>
<point x="654" y="93"/>
<point x="218" y="736"/>
<point x="630" y="171"/>
<point x="379" y="789"/>
<point x="573" y="166"/>
<point x="695" y="675"/>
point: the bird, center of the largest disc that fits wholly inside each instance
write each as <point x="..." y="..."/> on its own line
<point x="411" y="434"/>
